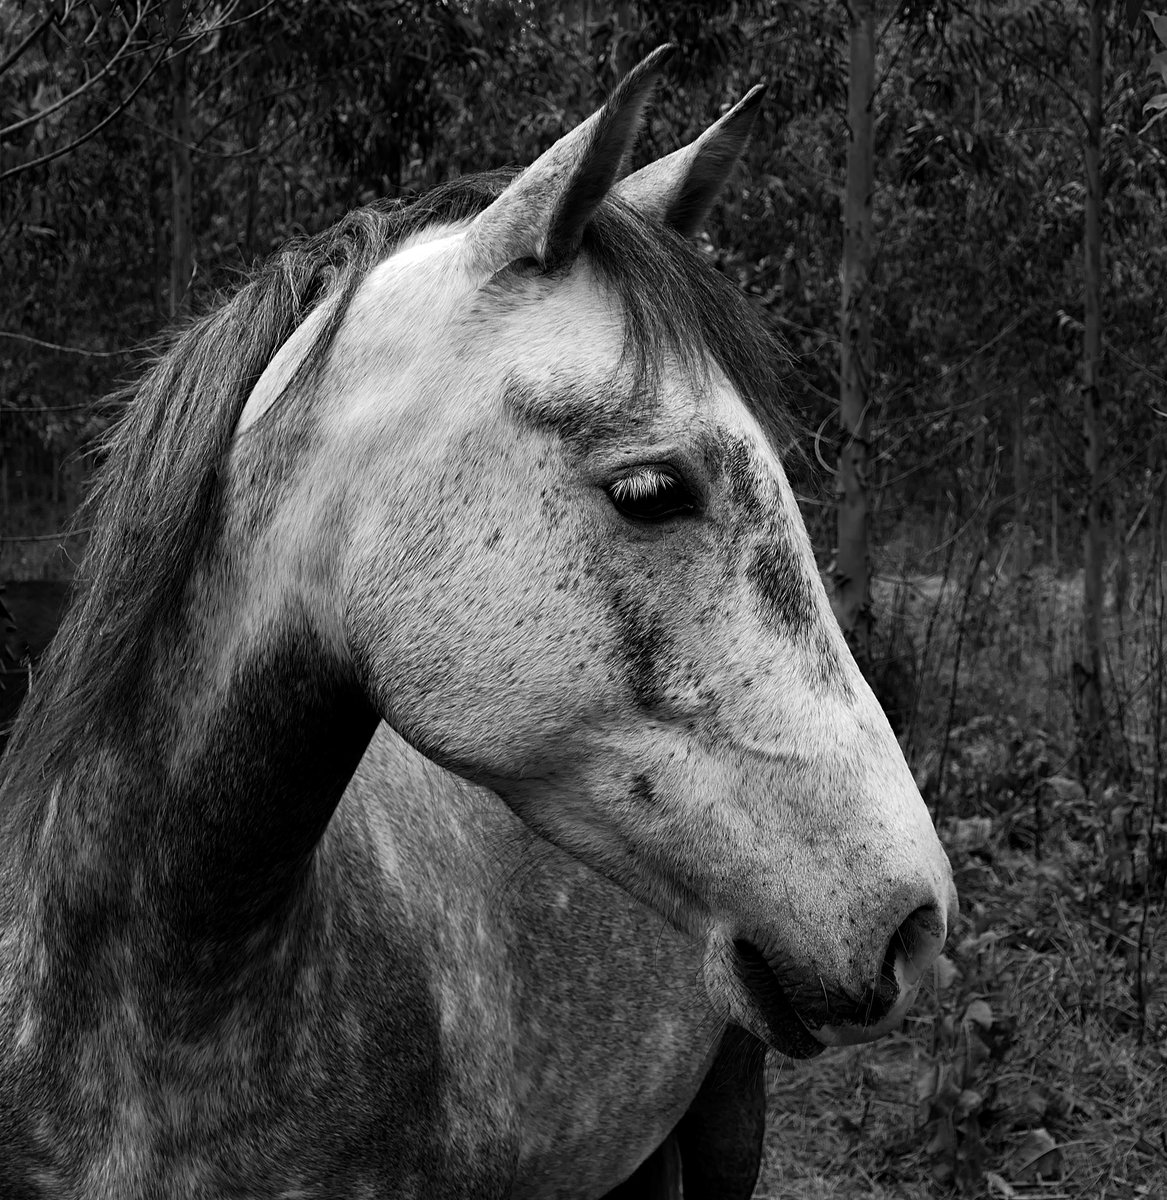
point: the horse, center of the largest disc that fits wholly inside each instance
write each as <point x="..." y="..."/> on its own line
<point x="498" y="472"/>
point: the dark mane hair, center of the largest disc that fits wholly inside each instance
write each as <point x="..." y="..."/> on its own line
<point x="158" y="489"/>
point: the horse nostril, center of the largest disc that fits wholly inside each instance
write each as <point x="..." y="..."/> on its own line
<point x="914" y="947"/>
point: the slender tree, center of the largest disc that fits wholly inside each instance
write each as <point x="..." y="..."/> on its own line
<point x="852" y="573"/>
<point x="181" y="167"/>
<point x="1090" y="664"/>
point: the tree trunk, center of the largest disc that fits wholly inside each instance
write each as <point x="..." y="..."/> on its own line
<point x="1090" y="664"/>
<point x="852" y="576"/>
<point x="1020" y="489"/>
<point x="1055" y="501"/>
<point x="1122" y="562"/>
<point x="181" y="172"/>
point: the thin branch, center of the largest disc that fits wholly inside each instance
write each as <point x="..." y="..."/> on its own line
<point x="48" y="408"/>
<point x="896" y="54"/>
<point x="196" y="147"/>
<point x="227" y="72"/>
<point x="981" y="503"/>
<point x="231" y="22"/>
<point x="20" y="50"/>
<point x="24" y="337"/>
<point x="1134" y="362"/>
<point x="44" y="537"/>
<point x="9" y="130"/>
<point x="92" y="133"/>
<point x="947" y="371"/>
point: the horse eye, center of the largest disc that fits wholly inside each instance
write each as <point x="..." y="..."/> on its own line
<point x="651" y="494"/>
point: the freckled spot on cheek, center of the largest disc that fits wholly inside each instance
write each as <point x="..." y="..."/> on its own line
<point x="829" y="664"/>
<point x="783" y="593"/>
<point x="642" y="794"/>
<point x="640" y="644"/>
<point x="743" y="492"/>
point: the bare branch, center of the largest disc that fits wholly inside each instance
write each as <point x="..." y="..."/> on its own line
<point x="22" y="49"/>
<point x="24" y="337"/>
<point x="48" y="408"/>
<point x="45" y="537"/>
<point x="8" y="131"/>
<point x="85" y="137"/>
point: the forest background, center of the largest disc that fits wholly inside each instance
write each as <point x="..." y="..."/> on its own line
<point x="1009" y="446"/>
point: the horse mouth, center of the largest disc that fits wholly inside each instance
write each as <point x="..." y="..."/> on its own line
<point x="788" y="1031"/>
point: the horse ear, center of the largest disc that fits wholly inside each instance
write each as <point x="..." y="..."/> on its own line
<point x="543" y="213"/>
<point x="679" y="189"/>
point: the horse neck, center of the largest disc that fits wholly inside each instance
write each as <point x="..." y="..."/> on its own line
<point x="192" y="809"/>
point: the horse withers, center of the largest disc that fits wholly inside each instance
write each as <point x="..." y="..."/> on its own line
<point x="502" y="470"/>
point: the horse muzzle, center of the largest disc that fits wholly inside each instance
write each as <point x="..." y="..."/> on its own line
<point x="800" y="1010"/>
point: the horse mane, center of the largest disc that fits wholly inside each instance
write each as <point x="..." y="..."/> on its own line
<point x="157" y="492"/>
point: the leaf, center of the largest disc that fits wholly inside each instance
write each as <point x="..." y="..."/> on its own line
<point x="942" y="1142"/>
<point x="937" y="1094"/>
<point x="1038" y="1157"/>
<point x="970" y="1162"/>
<point x="947" y="972"/>
<point x="998" y="1188"/>
<point x="1157" y="117"/>
<point x="1034" y="1106"/>
<point x="1065" y="789"/>
<point x="1159" y="24"/>
<point x="928" y="1081"/>
<point x="969" y="1102"/>
<point x="980" y="1013"/>
<point x="1156" y="103"/>
<point x="969" y="834"/>
<point x="1159" y="65"/>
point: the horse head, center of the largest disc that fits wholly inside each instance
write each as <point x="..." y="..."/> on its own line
<point x="565" y="562"/>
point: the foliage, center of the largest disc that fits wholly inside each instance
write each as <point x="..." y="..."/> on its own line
<point x="1157" y="104"/>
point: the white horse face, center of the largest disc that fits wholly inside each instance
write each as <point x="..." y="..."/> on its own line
<point x="604" y="605"/>
<point x="589" y="588"/>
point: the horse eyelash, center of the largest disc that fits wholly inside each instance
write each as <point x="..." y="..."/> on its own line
<point x="640" y="484"/>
